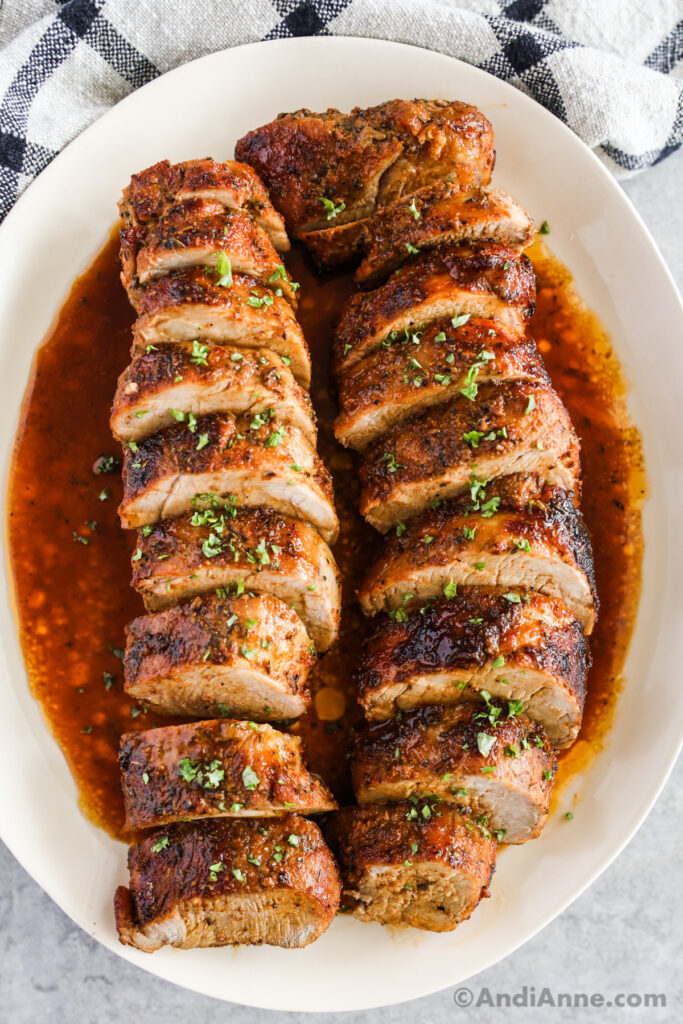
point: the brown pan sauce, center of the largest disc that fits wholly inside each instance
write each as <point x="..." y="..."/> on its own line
<point x="71" y="560"/>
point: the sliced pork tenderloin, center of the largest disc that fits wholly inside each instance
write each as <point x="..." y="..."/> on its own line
<point x="200" y="232"/>
<point x="514" y="645"/>
<point x="248" y="460"/>
<point x="424" y="368"/>
<point x="228" y="882"/>
<point x="454" y="282"/>
<point x="253" y="549"/>
<point x="514" y="532"/>
<point x="440" y="214"/>
<point x="423" y="865"/>
<point x="216" y="769"/>
<point x="191" y="305"/>
<point x="245" y="655"/>
<point x="236" y="186"/>
<point x="488" y="758"/>
<point x="200" y="379"/>
<point x="332" y="168"/>
<point x="489" y="431"/>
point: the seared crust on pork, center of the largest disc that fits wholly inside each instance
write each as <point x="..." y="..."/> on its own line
<point x="188" y="305"/>
<point x="219" y="655"/>
<point x="510" y="427"/>
<point x="402" y="866"/>
<point x="255" y="549"/>
<point x="202" y="379"/>
<point x="199" y="232"/>
<point x="482" y="280"/>
<point x="438" y="214"/>
<point x="252" y="460"/>
<point x="424" y="368"/>
<point x="228" y="882"/>
<point x="365" y="159"/>
<point x="515" y="532"/>
<point x="489" y="758"/>
<point x="514" y="645"/>
<point x="152" y="191"/>
<point x="216" y="769"/>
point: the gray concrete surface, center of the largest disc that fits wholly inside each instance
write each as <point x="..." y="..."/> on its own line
<point x="625" y="935"/>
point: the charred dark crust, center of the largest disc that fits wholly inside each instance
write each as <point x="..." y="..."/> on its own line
<point x="470" y="632"/>
<point x="163" y="878"/>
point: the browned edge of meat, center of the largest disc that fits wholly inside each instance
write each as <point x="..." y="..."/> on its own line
<point x="421" y="864"/>
<point x="496" y="430"/>
<point x="514" y="646"/>
<point x="252" y="549"/>
<point x="455" y="281"/>
<point x="202" y="379"/>
<point x="228" y="882"/>
<point x="516" y="531"/>
<point x="191" y="305"/>
<point x="440" y="213"/>
<point x="222" y="655"/>
<point x="233" y="458"/>
<point x="216" y="769"/>
<point x="425" y="368"/>
<point x="339" y="167"/>
<point x="488" y="758"/>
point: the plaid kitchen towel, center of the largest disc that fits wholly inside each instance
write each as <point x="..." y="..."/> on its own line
<point x="611" y="69"/>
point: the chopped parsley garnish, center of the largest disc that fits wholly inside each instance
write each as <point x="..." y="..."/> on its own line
<point x="332" y="209"/>
<point x="161" y="844"/>
<point x="485" y="742"/>
<point x="414" y="210"/>
<point x="224" y="268"/>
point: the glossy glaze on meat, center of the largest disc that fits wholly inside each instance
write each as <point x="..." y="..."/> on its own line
<point x="514" y="645"/>
<point x="216" y="769"/>
<point x="228" y="882"/>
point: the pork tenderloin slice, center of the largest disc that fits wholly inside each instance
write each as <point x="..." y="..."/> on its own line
<point x="483" y="280"/>
<point x="200" y="232"/>
<point x="402" y="868"/>
<point x="241" y="548"/>
<point x="495" y="430"/>
<point x="421" y="369"/>
<point x="236" y="186"/>
<point x="228" y="882"/>
<point x="439" y="214"/>
<point x="488" y="758"/>
<point x="216" y="769"/>
<point x="365" y="158"/>
<point x="513" y="645"/>
<point x="201" y="379"/>
<point x="251" y="463"/>
<point x="514" y="532"/>
<point x="219" y="655"/>
<point x="189" y="305"/>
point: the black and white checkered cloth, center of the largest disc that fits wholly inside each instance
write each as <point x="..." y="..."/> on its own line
<point x="611" y="69"/>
